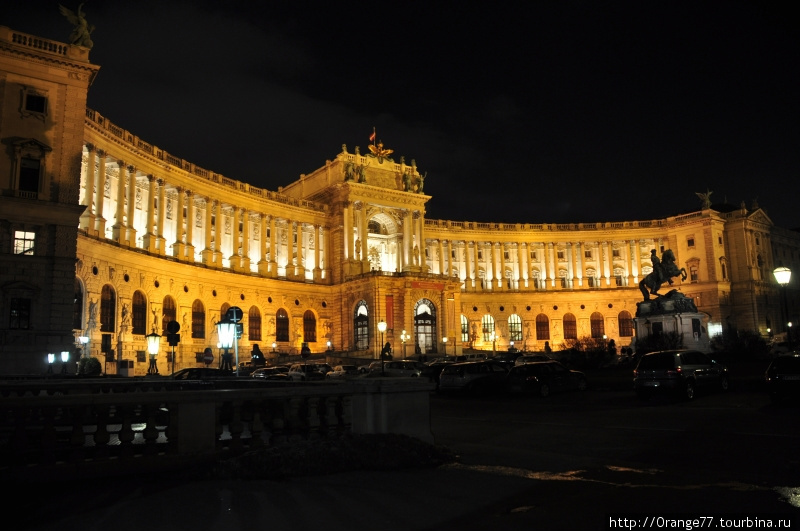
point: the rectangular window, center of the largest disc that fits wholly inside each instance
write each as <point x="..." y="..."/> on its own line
<point x="619" y="280"/>
<point x="587" y="254"/>
<point x="693" y="273"/>
<point x="690" y="242"/>
<point x="615" y="253"/>
<point x="560" y="255"/>
<point x="20" y="315"/>
<point x="533" y="255"/>
<point x="24" y="242"/>
<point x="505" y="255"/>
<point x="29" y="171"/>
<point x="35" y="103"/>
<point x="480" y="255"/>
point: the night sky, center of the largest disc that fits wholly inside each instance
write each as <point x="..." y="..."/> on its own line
<point x="549" y="112"/>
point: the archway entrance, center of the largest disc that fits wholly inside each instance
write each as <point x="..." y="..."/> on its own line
<point x="425" y="328"/>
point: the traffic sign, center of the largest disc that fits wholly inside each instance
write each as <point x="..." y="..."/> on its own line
<point x="208" y="356"/>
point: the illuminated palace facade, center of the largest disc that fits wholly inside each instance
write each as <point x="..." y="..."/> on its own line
<point x="109" y="237"/>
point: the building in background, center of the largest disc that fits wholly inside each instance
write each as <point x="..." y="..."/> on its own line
<point x="108" y="237"/>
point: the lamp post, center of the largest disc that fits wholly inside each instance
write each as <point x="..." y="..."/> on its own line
<point x="274" y="347"/>
<point x="64" y="360"/>
<point x="50" y="359"/>
<point x="382" y="329"/>
<point x="153" y="343"/>
<point x="84" y="340"/>
<point x="493" y="337"/>
<point x="444" y="345"/>
<point x="404" y="337"/>
<point x="226" y="329"/>
<point x="783" y="275"/>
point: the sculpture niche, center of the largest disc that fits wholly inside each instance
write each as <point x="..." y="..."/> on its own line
<point x="663" y="270"/>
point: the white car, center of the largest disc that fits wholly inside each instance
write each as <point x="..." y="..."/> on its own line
<point x="402" y="368"/>
<point x="301" y="372"/>
<point x="341" y="372"/>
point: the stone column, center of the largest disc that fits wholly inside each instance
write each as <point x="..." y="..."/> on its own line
<point x="149" y="240"/>
<point x="162" y="210"/>
<point x="522" y="250"/>
<point x="327" y="255"/>
<point x="263" y="264"/>
<point x="207" y="254"/>
<point x="246" y="261"/>
<point x="178" y="247"/>
<point x="551" y="265"/>
<point x="273" y="249"/>
<point x="131" y="228"/>
<point x="408" y="240"/>
<point x="570" y="265"/>
<point x="605" y="259"/>
<point x="579" y="263"/>
<point x="219" y="233"/>
<point x="317" y="245"/>
<point x="235" y="257"/>
<point x="449" y="267"/>
<point x="87" y="219"/>
<point x="118" y="233"/>
<point x="347" y="216"/>
<point x="100" y="195"/>
<point x="469" y="284"/>
<point x="191" y="212"/>
<point x="441" y="257"/>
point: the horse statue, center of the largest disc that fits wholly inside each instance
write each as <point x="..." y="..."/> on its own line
<point x="663" y="270"/>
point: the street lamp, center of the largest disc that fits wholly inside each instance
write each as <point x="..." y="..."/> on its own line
<point x="64" y="360"/>
<point x="226" y="330"/>
<point x="444" y="344"/>
<point x="783" y="275"/>
<point x="404" y="337"/>
<point x="50" y="359"/>
<point x="153" y="343"/>
<point x="274" y="346"/>
<point x="382" y="329"/>
<point x="330" y="347"/>
<point x="493" y="337"/>
<point x="84" y="340"/>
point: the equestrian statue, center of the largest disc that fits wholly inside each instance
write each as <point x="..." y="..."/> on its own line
<point x="664" y="269"/>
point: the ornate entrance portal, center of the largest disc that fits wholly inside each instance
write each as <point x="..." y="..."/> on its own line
<point x="425" y="328"/>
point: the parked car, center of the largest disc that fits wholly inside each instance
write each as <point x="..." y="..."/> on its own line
<point x="341" y="372"/>
<point x="271" y="373"/>
<point x="531" y="358"/>
<point x="473" y="376"/>
<point x="403" y="368"/>
<point x="681" y="372"/>
<point x="433" y="370"/>
<point x="302" y="372"/>
<point x="782" y="378"/>
<point x="201" y="373"/>
<point x="543" y="378"/>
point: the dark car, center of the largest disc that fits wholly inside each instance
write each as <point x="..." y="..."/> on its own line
<point x="271" y="373"/>
<point x="679" y="372"/>
<point x="201" y="373"/>
<point x="543" y="378"/>
<point x="783" y="377"/>
<point x="433" y="370"/>
<point x="473" y="376"/>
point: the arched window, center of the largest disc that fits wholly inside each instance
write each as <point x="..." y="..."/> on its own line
<point x="515" y="328"/>
<point x="625" y="324"/>
<point x="254" y="324"/>
<point x="425" y="327"/>
<point x="309" y="327"/>
<point x="361" y="326"/>
<point x="77" y="306"/>
<point x="108" y="309"/>
<point x="198" y="320"/>
<point x="597" y="325"/>
<point x="139" y="314"/>
<point x="570" y="326"/>
<point x="487" y="326"/>
<point x="464" y="329"/>
<point x="168" y="313"/>
<point x="281" y="325"/>
<point x="542" y="327"/>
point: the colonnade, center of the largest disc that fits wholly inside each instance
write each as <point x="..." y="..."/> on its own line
<point x="147" y="212"/>
<point x="541" y="265"/>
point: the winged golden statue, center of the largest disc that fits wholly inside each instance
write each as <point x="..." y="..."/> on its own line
<point x="379" y="152"/>
<point x="81" y="33"/>
<point x="706" y="198"/>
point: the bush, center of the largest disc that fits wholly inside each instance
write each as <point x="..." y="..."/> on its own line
<point x="663" y="341"/>
<point x="740" y="345"/>
<point x="89" y="367"/>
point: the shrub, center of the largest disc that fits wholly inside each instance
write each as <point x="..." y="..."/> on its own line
<point x="89" y="367"/>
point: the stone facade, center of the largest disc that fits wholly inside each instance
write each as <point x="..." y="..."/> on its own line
<point x="128" y="237"/>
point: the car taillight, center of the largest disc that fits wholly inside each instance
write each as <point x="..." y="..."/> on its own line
<point x="532" y="379"/>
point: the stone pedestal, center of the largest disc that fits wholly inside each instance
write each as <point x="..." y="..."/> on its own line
<point x="673" y="313"/>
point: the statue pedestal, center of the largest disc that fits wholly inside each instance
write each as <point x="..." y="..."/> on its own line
<point x="673" y="313"/>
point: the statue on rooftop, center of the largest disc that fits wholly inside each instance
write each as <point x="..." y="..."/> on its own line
<point x="381" y="153"/>
<point x="706" y="198"/>
<point x="81" y="33"/>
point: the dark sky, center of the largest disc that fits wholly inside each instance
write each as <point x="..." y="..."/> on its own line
<point x="543" y="112"/>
